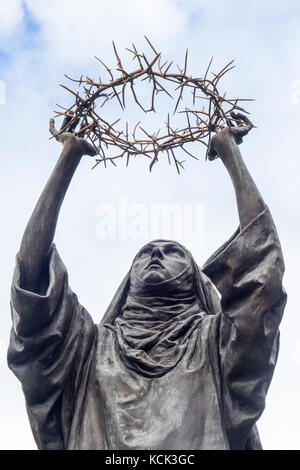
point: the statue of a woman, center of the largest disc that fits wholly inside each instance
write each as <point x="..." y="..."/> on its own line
<point x="183" y="357"/>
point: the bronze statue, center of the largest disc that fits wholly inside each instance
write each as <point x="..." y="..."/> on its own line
<point x="183" y="357"/>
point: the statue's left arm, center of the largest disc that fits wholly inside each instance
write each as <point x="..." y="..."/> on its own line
<point x="225" y="146"/>
<point x="248" y="271"/>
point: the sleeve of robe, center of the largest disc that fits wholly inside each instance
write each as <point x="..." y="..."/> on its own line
<point x="248" y="271"/>
<point x="50" y="351"/>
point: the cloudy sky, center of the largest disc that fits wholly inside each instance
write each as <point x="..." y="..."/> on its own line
<point x="40" y="41"/>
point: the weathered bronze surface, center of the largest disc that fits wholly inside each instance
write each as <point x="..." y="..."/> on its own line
<point x="171" y="365"/>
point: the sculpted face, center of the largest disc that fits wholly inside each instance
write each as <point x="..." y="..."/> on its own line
<point x="160" y="261"/>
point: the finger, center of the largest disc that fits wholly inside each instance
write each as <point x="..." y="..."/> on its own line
<point x="241" y="130"/>
<point x="52" y="129"/>
<point x="68" y="119"/>
<point x="74" y="125"/>
<point x="54" y="132"/>
<point x="241" y="117"/>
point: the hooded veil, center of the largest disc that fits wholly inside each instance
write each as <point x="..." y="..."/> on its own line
<point x="153" y="333"/>
<point x="206" y="292"/>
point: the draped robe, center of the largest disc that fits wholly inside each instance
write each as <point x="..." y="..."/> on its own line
<point x="82" y="392"/>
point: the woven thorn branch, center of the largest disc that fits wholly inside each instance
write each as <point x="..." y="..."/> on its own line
<point x="213" y="116"/>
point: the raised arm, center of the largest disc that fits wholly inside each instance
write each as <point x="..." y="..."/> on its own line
<point x="247" y="271"/>
<point x="225" y="146"/>
<point x="39" y="233"/>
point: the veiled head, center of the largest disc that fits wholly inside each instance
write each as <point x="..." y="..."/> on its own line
<point x="162" y="264"/>
<point x="179" y="277"/>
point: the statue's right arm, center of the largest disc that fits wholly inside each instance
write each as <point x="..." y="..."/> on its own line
<point x="39" y="233"/>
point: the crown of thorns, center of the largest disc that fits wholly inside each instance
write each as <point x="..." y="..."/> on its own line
<point x="199" y="123"/>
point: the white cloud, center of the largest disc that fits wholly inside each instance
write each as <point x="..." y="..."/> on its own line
<point x="11" y="14"/>
<point x="77" y="29"/>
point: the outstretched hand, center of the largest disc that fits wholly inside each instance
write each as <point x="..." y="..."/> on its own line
<point x="75" y="143"/>
<point x="236" y="133"/>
